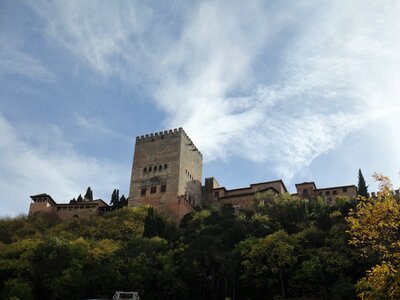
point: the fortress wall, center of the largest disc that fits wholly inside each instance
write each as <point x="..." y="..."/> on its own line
<point x="153" y="151"/>
<point x="277" y="185"/>
<point x="40" y="207"/>
<point x="243" y="202"/>
<point x="180" y="171"/>
<point x="191" y="171"/>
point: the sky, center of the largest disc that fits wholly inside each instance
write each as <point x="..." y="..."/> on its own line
<point x="267" y="90"/>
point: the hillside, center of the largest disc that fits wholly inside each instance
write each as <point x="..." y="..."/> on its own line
<point x="285" y="248"/>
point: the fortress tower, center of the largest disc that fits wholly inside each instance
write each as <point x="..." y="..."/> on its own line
<point x="166" y="172"/>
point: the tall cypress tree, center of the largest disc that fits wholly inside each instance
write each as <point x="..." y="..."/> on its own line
<point x="89" y="194"/>
<point x="123" y="201"/>
<point x="153" y="224"/>
<point x="362" y="186"/>
<point x="79" y="199"/>
<point x="115" y="198"/>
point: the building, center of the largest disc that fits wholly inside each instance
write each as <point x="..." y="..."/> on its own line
<point x="240" y="198"/>
<point x="167" y="174"/>
<point x="44" y="203"/>
<point x="310" y="190"/>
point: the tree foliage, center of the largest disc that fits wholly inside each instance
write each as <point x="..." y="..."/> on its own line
<point x="375" y="231"/>
<point x="362" y="186"/>
<point x="89" y="194"/>
<point x="115" y="198"/>
<point x="285" y="247"/>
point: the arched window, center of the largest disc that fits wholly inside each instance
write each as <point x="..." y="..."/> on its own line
<point x="334" y="193"/>
<point x="305" y="192"/>
<point x="328" y="193"/>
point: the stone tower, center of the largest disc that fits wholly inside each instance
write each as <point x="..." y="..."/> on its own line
<point x="166" y="172"/>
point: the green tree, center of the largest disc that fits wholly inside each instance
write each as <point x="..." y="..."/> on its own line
<point x="115" y="198"/>
<point x="375" y="230"/>
<point x="153" y="224"/>
<point x="267" y="259"/>
<point x="123" y="201"/>
<point x="89" y="194"/>
<point x="17" y="289"/>
<point x="362" y="186"/>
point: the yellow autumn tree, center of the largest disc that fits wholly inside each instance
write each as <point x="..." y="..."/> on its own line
<point x="375" y="230"/>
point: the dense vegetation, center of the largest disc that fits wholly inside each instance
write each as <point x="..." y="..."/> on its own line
<point x="286" y="248"/>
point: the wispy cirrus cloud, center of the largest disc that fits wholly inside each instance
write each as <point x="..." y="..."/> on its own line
<point x="55" y="168"/>
<point x="107" y="37"/>
<point x="289" y="82"/>
<point x="15" y="61"/>
<point x="337" y="73"/>
<point x="95" y="125"/>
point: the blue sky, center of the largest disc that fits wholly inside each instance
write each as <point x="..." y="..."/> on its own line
<point x="292" y="90"/>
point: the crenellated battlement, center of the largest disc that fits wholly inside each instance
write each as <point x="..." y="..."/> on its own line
<point x="189" y="143"/>
<point x="166" y="134"/>
<point x="159" y="135"/>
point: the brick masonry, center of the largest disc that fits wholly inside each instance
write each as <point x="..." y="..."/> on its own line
<point x="166" y="172"/>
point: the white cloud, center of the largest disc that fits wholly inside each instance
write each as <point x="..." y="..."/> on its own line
<point x="338" y="73"/>
<point x="106" y="36"/>
<point x="13" y="60"/>
<point x="96" y="125"/>
<point x="55" y="169"/>
<point x="330" y="69"/>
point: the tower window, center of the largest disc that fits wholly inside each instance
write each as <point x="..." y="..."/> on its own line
<point x="144" y="170"/>
<point x="345" y="190"/>
<point x="155" y="168"/>
<point x="153" y="190"/>
<point x="143" y="192"/>
<point x="149" y="169"/>
<point x="159" y="168"/>
<point x="163" y="188"/>
<point x="216" y="194"/>
<point x="165" y="166"/>
<point x="334" y="193"/>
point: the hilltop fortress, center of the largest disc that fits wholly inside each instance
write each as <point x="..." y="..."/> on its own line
<point x="167" y="174"/>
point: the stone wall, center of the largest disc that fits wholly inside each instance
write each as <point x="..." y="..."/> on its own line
<point x="166" y="166"/>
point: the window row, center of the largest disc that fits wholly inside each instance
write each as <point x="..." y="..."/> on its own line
<point x="154" y="168"/>
<point x="189" y="199"/>
<point x="189" y="175"/>
<point x="153" y="190"/>
<point x="81" y="207"/>
<point x="327" y="193"/>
